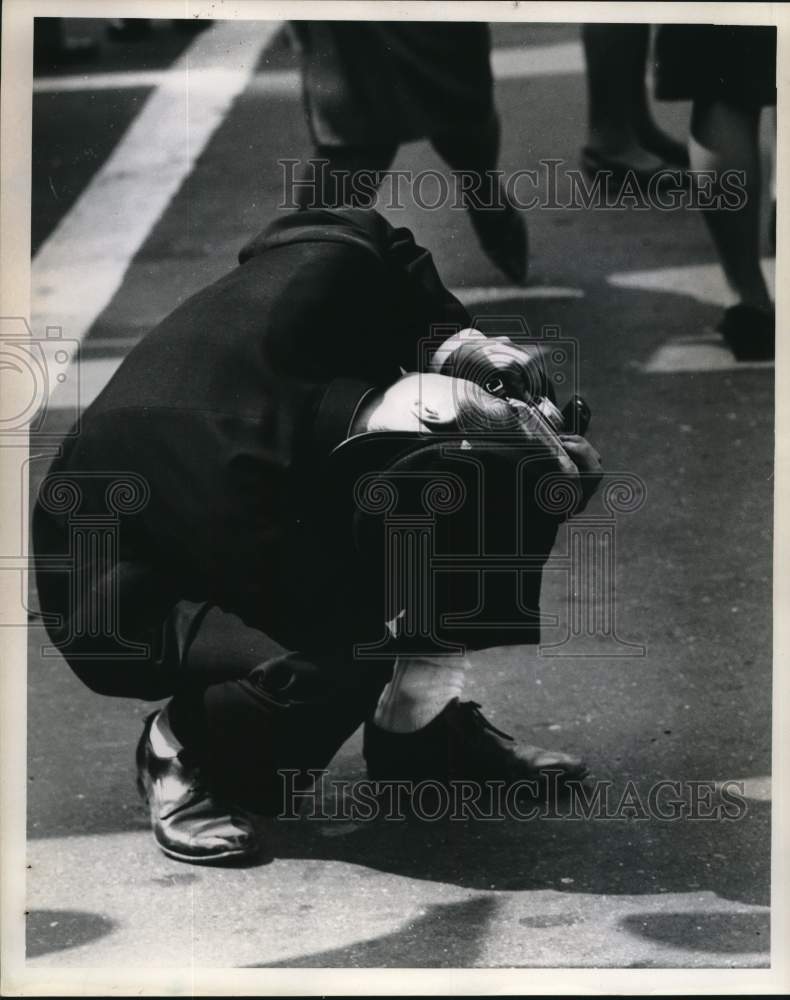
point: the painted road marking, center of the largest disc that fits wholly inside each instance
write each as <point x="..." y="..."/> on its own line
<point x="705" y="352"/>
<point x="272" y="82"/>
<point x="516" y="62"/>
<point x="95" y="372"/>
<point x="698" y="353"/>
<point x="124" y="80"/>
<point x="83" y="262"/>
<point x="520" y="61"/>
<point x="704" y="283"/>
<point x="757" y="788"/>
<point x="476" y="296"/>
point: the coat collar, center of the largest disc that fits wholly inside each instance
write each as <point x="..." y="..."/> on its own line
<point x="363" y="228"/>
<point x="336" y="412"/>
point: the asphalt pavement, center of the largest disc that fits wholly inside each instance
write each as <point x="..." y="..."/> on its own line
<point x="638" y="293"/>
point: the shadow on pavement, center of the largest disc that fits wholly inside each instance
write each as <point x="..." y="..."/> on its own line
<point x="611" y="857"/>
<point x="55" y="930"/>
<point x="701" y="658"/>
<point x="720" y="932"/>
<point x="448" y="935"/>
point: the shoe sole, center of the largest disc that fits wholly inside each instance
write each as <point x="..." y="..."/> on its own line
<point x="207" y="859"/>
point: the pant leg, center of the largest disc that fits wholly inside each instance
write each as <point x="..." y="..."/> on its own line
<point x="476" y="155"/>
<point x="340" y="176"/>
<point x="243" y="705"/>
<point x="234" y="668"/>
<point x="292" y="712"/>
<point x="254" y="709"/>
<point x="114" y="627"/>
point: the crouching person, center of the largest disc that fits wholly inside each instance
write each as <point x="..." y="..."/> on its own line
<point x="262" y="585"/>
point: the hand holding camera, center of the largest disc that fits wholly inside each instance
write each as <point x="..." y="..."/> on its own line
<point x="517" y="375"/>
<point x="497" y="364"/>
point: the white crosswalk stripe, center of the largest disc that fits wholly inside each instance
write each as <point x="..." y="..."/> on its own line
<point x="473" y="296"/>
<point x="515" y="62"/>
<point x="71" y="289"/>
<point x="84" y="260"/>
<point x="86" y="381"/>
<point x="520" y="61"/>
<point x="704" y="351"/>
<point x="702" y="282"/>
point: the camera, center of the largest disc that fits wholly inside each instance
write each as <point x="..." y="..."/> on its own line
<point x="499" y="354"/>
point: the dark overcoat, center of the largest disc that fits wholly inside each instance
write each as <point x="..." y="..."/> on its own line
<point x="225" y="411"/>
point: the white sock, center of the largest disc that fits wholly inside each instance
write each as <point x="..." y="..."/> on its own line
<point x="420" y="688"/>
<point x="163" y="740"/>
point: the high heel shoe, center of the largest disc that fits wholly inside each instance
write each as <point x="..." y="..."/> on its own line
<point x="749" y="332"/>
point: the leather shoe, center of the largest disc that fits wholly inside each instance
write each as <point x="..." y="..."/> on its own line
<point x="749" y="332"/>
<point x="189" y="822"/>
<point x="461" y="745"/>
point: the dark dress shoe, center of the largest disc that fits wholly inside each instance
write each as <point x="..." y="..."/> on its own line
<point x="461" y="745"/>
<point x="503" y="237"/>
<point x="188" y="821"/>
<point x="749" y="332"/>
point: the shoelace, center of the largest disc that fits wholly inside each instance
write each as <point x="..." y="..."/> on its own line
<point x="475" y="710"/>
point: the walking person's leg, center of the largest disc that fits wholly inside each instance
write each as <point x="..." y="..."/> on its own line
<point x="621" y="132"/>
<point x="498" y="225"/>
<point x="724" y="137"/>
<point x="338" y="176"/>
<point x="728" y="72"/>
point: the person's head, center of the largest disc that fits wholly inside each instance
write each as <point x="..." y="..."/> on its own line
<point x="436" y="404"/>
